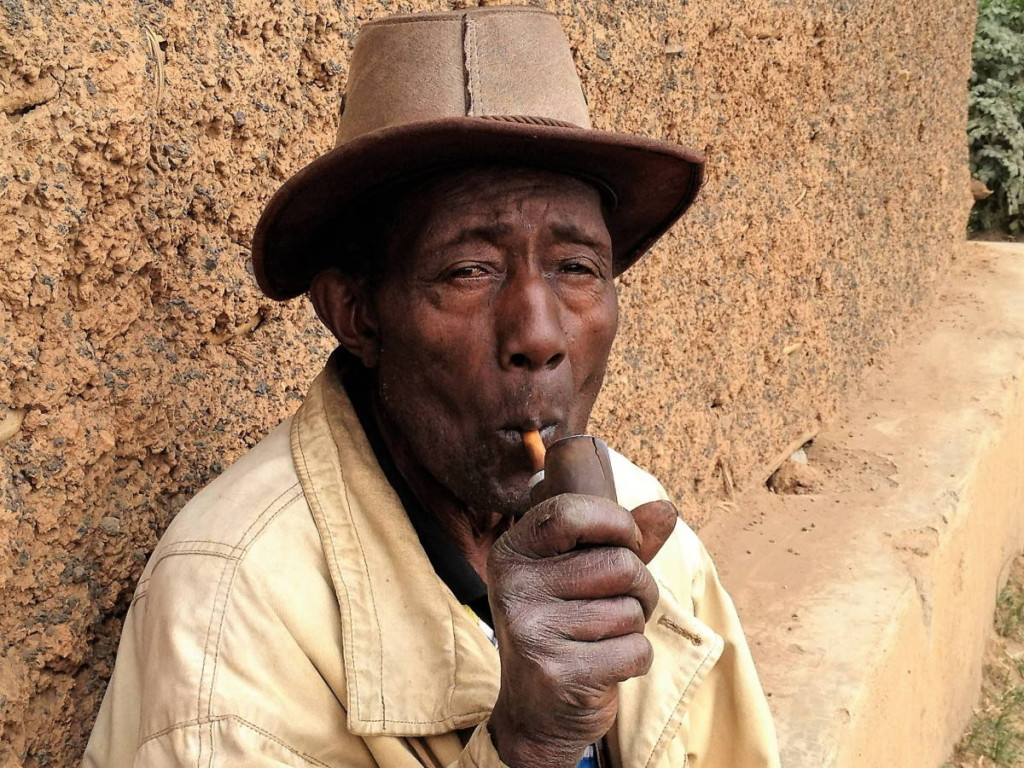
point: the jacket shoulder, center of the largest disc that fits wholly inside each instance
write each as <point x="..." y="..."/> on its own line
<point x="635" y="486"/>
<point x="227" y="512"/>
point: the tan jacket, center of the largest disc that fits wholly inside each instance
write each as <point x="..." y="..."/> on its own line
<point x="290" y="617"/>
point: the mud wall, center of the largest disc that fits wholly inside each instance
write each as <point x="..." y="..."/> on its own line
<point x="139" y="140"/>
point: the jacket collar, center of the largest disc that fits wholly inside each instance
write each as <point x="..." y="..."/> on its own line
<point x="416" y="662"/>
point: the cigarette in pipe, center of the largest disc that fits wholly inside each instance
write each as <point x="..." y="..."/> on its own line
<point x="535" y="447"/>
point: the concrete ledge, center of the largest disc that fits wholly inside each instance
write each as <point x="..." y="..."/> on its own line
<point x="868" y="601"/>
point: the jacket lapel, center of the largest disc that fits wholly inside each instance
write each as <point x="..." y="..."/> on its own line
<point x="416" y="662"/>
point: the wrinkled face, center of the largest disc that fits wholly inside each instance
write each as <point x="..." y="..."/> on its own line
<point x="496" y="315"/>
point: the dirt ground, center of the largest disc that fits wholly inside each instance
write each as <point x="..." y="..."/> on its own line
<point x="867" y="571"/>
<point x="995" y="736"/>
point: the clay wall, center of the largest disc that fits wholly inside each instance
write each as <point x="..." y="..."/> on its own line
<point x="139" y="140"/>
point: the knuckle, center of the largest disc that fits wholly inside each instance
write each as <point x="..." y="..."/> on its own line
<point x="552" y="518"/>
<point x="591" y="700"/>
<point x="574" y="509"/>
<point x="500" y="554"/>
<point x="570" y="511"/>
<point x="643" y="655"/>
<point x="638" y="654"/>
<point x="554" y="508"/>
<point x="513" y="592"/>
<point x="637" y="620"/>
<point x="554" y="672"/>
<point x="530" y="633"/>
<point x="629" y="567"/>
<point x="505" y="604"/>
<point x="621" y="560"/>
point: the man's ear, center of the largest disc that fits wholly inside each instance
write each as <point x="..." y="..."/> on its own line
<point x="342" y="304"/>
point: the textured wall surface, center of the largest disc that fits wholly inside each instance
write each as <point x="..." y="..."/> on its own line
<point x="139" y="140"/>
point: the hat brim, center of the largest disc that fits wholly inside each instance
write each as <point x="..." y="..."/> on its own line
<point x="654" y="182"/>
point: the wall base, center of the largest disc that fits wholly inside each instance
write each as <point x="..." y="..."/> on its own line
<point x="868" y="599"/>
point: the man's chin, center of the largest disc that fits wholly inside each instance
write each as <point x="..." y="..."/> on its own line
<point x="510" y="502"/>
<point x="508" y="499"/>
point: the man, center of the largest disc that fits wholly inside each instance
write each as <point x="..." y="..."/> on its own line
<point x="373" y="585"/>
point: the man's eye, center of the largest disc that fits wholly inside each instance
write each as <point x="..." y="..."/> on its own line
<point x="579" y="267"/>
<point x="467" y="271"/>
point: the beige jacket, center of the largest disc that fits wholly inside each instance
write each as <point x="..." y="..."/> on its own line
<point x="290" y="617"/>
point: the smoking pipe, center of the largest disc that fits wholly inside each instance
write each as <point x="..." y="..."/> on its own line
<point x="576" y="464"/>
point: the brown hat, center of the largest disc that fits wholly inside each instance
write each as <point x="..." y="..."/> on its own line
<point x="481" y="86"/>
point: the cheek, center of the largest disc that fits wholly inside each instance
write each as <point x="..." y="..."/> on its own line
<point x="611" y="320"/>
<point x="596" y="332"/>
<point x="431" y="344"/>
<point x="433" y="358"/>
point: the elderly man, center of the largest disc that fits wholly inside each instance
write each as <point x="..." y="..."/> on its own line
<point x="375" y="584"/>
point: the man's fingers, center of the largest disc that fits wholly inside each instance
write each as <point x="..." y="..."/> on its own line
<point x="589" y="621"/>
<point x="598" y="572"/>
<point x="617" y="659"/>
<point x="569" y="521"/>
<point x="656" y="521"/>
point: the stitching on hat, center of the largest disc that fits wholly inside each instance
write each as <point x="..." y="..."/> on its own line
<point x="530" y="120"/>
<point x="419" y="18"/>
<point x="478" y="92"/>
<point x="474" y="104"/>
<point x="466" y="74"/>
<point x="411" y="20"/>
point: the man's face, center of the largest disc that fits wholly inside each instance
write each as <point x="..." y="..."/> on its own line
<point x="496" y="315"/>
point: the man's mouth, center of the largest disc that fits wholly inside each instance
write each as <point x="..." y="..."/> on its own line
<point x="512" y="433"/>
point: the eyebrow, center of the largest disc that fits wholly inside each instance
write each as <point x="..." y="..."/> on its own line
<point x="566" y="231"/>
<point x="489" y="233"/>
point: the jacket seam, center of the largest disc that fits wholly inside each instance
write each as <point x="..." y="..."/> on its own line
<point x="343" y="605"/>
<point x="168" y="555"/>
<point x="221" y="609"/>
<point x="216" y="657"/>
<point x="682" y="695"/>
<point x="196" y="551"/>
<point x="295" y="489"/>
<point x="227" y="604"/>
<point x="467" y="715"/>
<point x="455" y="652"/>
<point x="211" y="541"/>
<point x="200" y="721"/>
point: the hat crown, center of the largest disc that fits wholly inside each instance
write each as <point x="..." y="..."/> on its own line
<point x="479" y="62"/>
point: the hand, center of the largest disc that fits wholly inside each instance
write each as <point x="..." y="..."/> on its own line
<point x="570" y="594"/>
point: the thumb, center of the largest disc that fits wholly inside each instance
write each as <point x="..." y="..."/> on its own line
<point x="656" y="521"/>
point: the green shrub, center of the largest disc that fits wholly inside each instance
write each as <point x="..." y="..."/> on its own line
<point x="995" y="125"/>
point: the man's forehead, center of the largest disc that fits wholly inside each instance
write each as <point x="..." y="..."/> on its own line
<point x="492" y="180"/>
<point x="499" y="196"/>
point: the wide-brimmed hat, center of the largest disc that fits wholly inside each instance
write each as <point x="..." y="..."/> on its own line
<point x="481" y="86"/>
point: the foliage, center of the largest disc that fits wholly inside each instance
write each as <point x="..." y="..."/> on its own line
<point x="995" y="736"/>
<point x="1010" y="610"/>
<point x="995" y="124"/>
<point x="998" y="736"/>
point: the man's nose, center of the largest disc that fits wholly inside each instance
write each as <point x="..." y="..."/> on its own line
<point x="530" y="329"/>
